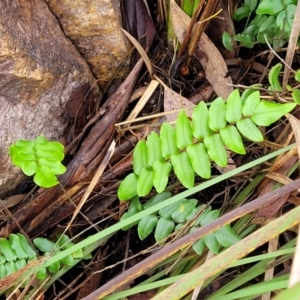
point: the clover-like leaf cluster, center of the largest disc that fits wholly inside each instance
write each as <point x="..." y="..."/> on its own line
<point x="40" y="158"/>
<point x="189" y="148"/>
<point x="173" y="217"/>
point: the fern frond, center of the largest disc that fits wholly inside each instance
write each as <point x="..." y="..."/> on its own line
<point x="191" y="145"/>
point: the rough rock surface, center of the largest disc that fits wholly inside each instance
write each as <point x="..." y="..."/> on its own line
<point x="39" y="70"/>
<point x="93" y="26"/>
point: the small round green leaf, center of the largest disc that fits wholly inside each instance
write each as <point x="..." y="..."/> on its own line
<point x="144" y="182"/>
<point x="19" y="158"/>
<point x="178" y="227"/>
<point x="20" y="263"/>
<point x="63" y="241"/>
<point x="183" y="131"/>
<point x="44" y="177"/>
<point x="269" y="7"/>
<point x="3" y="272"/>
<point x="226" y="237"/>
<point x="153" y="148"/>
<point x="183" y="169"/>
<point x="227" y="41"/>
<point x="216" y="150"/>
<point x="232" y="139"/>
<point x="249" y="130"/>
<point x="48" y="154"/>
<point x="29" y="167"/>
<point x="199" y="159"/>
<point x="54" y="268"/>
<point x="167" y="137"/>
<point x="246" y="93"/>
<point x="266" y="113"/>
<point x="139" y="157"/>
<point x="22" y="146"/>
<point x="273" y="78"/>
<point x="203" y="215"/>
<point x="217" y="114"/>
<point x="267" y="23"/>
<point x="163" y="229"/>
<point x="131" y="212"/>
<point x="161" y="171"/>
<point x="195" y="211"/>
<point x="127" y="188"/>
<point x="251" y="4"/>
<point x="241" y="13"/>
<point x="157" y="199"/>
<point x="41" y="274"/>
<point x="180" y="214"/>
<point x="17" y="246"/>
<point x="7" y="251"/>
<point x="40" y="140"/>
<point x="26" y="245"/>
<point x="289" y="13"/>
<point x="209" y="217"/>
<point x="68" y="260"/>
<point x="44" y="245"/>
<point x="146" y="226"/>
<point x="246" y="39"/>
<point x="252" y="28"/>
<point x="78" y="254"/>
<point x="10" y="268"/>
<point x="297" y="75"/>
<point x="296" y="95"/>
<point x="199" y="246"/>
<point x="167" y="211"/>
<point x="135" y="202"/>
<point x="200" y="121"/>
<point x="211" y="243"/>
<point x="234" y="107"/>
<point x="251" y="103"/>
<point x="42" y="144"/>
<point x="54" y="166"/>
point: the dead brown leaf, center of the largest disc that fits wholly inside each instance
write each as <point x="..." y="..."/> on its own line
<point x="175" y="102"/>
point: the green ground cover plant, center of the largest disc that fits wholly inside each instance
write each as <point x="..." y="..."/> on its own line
<point x="271" y="20"/>
<point x="153" y="160"/>
<point x="93" y="242"/>
<point x="40" y="158"/>
<point x="224" y="121"/>
<point x="191" y="146"/>
<point x="175" y="216"/>
<point x="187" y="150"/>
